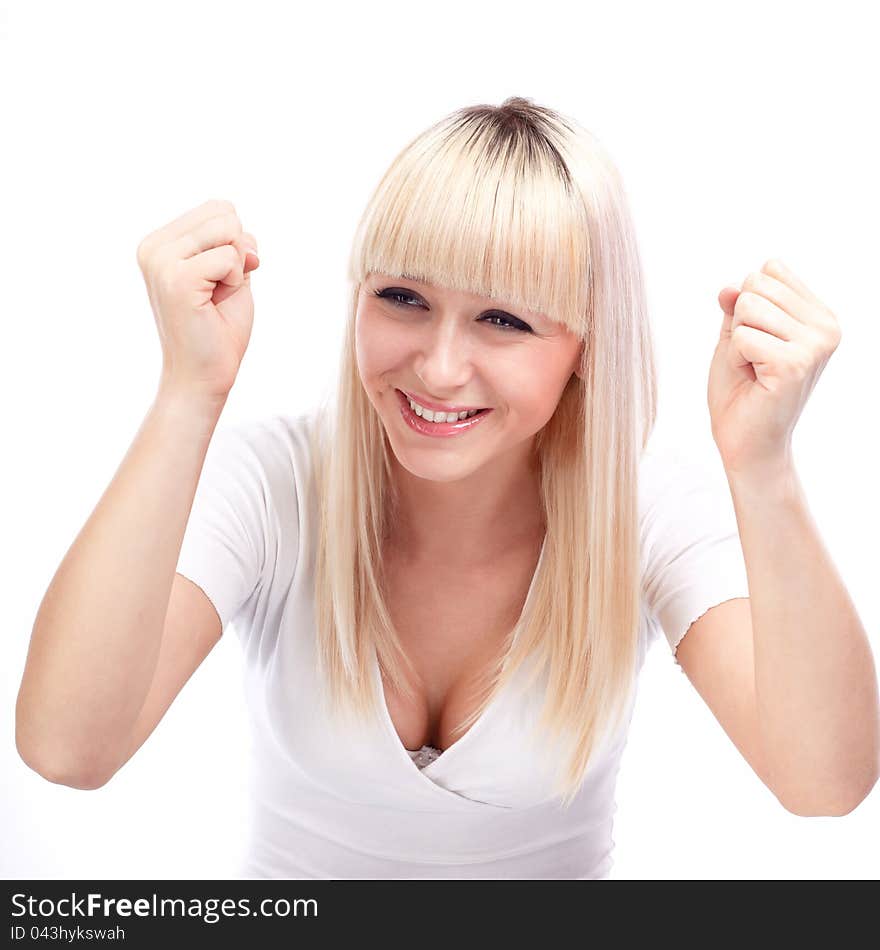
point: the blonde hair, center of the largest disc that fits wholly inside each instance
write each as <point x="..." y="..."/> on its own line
<point x="519" y="203"/>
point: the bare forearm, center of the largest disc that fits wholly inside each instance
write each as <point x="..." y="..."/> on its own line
<point x="815" y="678"/>
<point x="95" y="641"/>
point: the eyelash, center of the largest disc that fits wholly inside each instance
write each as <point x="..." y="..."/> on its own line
<point x="393" y="294"/>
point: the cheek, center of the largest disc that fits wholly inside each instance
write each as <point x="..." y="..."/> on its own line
<point x="368" y="345"/>
<point x="379" y="348"/>
<point x="533" y="389"/>
<point x="543" y="378"/>
<point x="538" y="399"/>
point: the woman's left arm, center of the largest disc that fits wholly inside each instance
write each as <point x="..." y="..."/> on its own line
<point x="815" y="683"/>
<point x="815" y="680"/>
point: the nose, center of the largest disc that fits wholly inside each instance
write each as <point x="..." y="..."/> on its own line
<point x="444" y="364"/>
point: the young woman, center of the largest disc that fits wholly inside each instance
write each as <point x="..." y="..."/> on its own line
<point x="445" y="583"/>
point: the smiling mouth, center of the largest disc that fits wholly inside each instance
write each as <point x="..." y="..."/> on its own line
<point x="429" y="425"/>
<point x="437" y="407"/>
<point x="469" y="413"/>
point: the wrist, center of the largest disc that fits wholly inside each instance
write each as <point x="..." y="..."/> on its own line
<point x="775" y="482"/>
<point x="186" y="401"/>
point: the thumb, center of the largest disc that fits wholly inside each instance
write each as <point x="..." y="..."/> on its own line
<point x="727" y="301"/>
<point x="248" y="248"/>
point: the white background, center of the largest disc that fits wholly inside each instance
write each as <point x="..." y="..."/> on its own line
<point x="743" y="131"/>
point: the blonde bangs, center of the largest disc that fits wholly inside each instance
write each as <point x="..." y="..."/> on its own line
<point x="484" y="208"/>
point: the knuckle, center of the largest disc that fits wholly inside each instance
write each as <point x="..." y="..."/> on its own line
<point x="157" y="258"/>
<point x="231" y="223"/>
<point x="147" y="246"/>
<point x="752" y="281"/>
<point x="166" y="279"/>
<point x="745" y="303"/>
<point x="220" y="206"/>
<point x="830" y="332"/>
<point x="168" y="276"/>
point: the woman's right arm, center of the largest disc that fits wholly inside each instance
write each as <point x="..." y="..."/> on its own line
<point x="96" y="639"/>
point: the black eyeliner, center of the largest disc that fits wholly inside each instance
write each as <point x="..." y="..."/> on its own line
<point x="514" y="323"/>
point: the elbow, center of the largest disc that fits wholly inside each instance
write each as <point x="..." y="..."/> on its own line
<point x="853" y="803"/>
<point x="837" y="807"/>
<point x="53" y="772"/>
<point x="51" y="765"/>
<point x="82" y="781"/>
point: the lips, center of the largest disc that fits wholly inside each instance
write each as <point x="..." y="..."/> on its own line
<point x="439" y="430"/>
<point x="436" y="406"/>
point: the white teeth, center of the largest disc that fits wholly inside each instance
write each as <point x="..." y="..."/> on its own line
<point x="430" y="416"/>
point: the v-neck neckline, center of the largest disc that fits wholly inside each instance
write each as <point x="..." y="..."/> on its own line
<point x="449" y="753"/>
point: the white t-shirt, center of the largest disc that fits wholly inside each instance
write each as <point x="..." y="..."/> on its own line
<point x="357" y="805"/>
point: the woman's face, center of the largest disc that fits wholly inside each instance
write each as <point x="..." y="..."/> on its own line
<point x="459" y="350"/>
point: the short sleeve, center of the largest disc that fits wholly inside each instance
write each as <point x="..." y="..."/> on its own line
<point x="693" y="557"/>
<point x="223" y="549"/>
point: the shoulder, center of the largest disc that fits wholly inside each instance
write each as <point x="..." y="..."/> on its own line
<point x="269" y="457"/>
<point x="684" y="502"/>
<point x="275" y="443"/>
<point x="662" y="471"/>
<point x="671" y="477"/>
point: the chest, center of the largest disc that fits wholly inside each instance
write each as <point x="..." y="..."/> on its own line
<point x="454" y="626"/>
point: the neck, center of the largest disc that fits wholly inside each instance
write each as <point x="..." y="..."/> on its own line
<point x="472" y="520"/>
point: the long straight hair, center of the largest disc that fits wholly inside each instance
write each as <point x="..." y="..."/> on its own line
<point x="519" y="203"/>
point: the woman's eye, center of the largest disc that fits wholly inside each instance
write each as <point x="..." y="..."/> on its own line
<point x="507" y="325"/>
<point x="395" y="296"/>
<point x="400" y="298"/>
